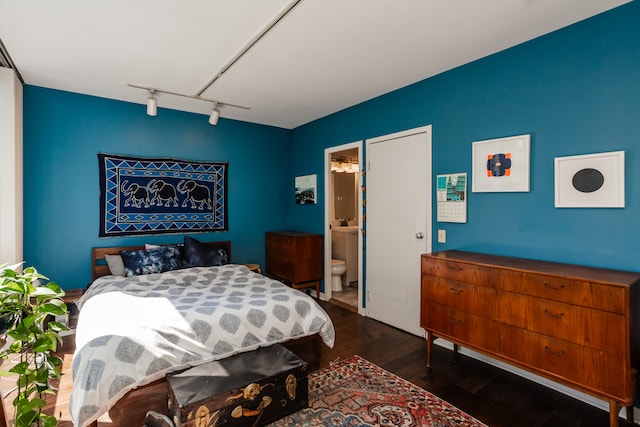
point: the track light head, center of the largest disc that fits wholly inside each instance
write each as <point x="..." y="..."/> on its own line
<point x="215" y="115"/>
<point x="152" y="105"/>
<point x="152" y="102"/>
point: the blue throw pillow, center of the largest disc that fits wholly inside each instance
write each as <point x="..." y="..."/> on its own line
<point x="198" y="254"/>
<point x="153" y="246"/>
<point x="148" y="261"/>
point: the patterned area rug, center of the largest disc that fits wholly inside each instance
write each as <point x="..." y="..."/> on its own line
<point x="355" y="392"/>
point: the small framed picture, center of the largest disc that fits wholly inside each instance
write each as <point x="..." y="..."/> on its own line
<point x="306" y="189"/>
<point x="501" y="165"/>
<point x="590" y="180"/>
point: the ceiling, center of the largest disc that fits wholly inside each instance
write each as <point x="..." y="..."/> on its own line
<point x="321" y="57"/>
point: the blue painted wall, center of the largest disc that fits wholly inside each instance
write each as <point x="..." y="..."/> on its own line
<point x="63" y="132"/>
<point x="575" y="91"/>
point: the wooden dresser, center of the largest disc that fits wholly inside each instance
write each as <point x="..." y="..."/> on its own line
<point x="295" y="258"/>
<point x="572" y="324"/>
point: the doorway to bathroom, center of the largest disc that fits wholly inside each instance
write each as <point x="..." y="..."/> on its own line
<point x="343" y="226"/>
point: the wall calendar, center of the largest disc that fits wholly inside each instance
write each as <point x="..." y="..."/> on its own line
<point x="451" y="197"/>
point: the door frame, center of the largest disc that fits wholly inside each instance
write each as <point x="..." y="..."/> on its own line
<point x="328" y="193"/>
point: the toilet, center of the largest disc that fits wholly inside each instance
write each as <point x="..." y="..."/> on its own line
<point x="338" y="268"/>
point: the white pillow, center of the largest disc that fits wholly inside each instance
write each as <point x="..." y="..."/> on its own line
<point x="116" y="266"/>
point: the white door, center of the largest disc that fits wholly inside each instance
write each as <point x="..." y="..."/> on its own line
<point x="398" y="226"/>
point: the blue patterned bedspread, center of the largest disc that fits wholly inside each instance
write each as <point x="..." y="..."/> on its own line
<point x="132" y="331"/>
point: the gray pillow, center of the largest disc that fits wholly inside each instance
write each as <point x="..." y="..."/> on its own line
<point x="116" y="266"/>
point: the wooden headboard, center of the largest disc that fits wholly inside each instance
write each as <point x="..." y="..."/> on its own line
<point x="99" y="265"/>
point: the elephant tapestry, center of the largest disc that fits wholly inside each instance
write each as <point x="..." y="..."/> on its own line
<point x="153" y="196"/>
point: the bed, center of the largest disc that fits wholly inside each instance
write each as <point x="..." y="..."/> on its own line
<point x="132" y="331"/>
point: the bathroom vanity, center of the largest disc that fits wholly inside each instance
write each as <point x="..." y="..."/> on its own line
<point x="344" y="246"/>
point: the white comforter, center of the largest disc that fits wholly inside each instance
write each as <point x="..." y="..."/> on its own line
<point x="132" y="331"/>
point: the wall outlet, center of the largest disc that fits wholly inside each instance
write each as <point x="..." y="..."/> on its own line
<point x="442" y="236"/>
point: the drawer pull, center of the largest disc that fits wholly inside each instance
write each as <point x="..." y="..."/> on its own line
<point x="555" y="353"/>
<point x="552" y="314"/>
<point x="455" y="291"/>
<point x="555" y="288"/>
<point x="455" y="267"/>
<point x="454" y="320"/>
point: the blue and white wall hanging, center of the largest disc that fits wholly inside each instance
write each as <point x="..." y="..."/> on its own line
<point x="141" y="196"/>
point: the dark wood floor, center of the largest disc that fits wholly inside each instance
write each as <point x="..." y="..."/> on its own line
<point x="493" y="396"/>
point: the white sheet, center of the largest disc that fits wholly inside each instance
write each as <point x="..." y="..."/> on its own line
<point x="132" y="331"/>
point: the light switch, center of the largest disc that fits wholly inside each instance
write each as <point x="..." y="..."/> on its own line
<point x="442" y="236"/>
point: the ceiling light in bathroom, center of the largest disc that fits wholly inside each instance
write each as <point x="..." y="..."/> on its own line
<point x="344" y="165"/>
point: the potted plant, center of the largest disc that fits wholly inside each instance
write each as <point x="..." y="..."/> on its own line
<point x="26" y="309"/>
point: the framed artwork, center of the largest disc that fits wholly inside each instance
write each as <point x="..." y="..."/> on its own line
<point x="306" y="189"/>
<point x="501" y="165"/>
<point x="590" y="180"/>
<point x="451" y="196"/>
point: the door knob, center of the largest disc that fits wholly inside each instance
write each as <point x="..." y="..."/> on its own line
<point x="419" y="236"/>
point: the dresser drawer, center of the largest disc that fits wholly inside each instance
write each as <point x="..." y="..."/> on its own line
<point x="586" y="294"/>
<point x="293" y="256"/>
<point x="591" y="369"/>
<point x="280" y="244"/>
<point x="600" y="330"/>
<point x="460" y="271"/>
<point x="279" y="264"/>
<point x="479" y="300"/>
<point x="463" y="327"/>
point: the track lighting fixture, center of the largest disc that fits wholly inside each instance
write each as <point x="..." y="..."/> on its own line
<point x="215" y="115"/>
<point x="152" y="104"/>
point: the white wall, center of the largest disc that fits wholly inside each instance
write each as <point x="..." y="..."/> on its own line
<point x="10" y="167"/>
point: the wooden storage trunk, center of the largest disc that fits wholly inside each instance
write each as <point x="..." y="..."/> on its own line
<point x="248" y="389"/>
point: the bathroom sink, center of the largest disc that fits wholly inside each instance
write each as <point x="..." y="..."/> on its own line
<point x="345" y="228"/>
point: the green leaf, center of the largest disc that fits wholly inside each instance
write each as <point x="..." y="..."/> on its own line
<point x="55" y="288"/>
<point x="43" y="376"/>
<point x="20" y="368"/>
<point x="54" y="309"/>
<point x="16" y="346"/>
<point x="48" y="420"/>
<point x="44" y="290"/>
<point x="10" y="269"/>
<point x="29" y="320"/>
<point x="25" y="418"/>
<point x="57" y="327"/>
<point x="23" y="381"/>
<point x="21" y="338"/>
<point x="43" y="344"/>
<point x="13" y="286"/>
<point x="56" y="361"/>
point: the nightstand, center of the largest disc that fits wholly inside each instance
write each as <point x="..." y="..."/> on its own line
<point x="254" y="267"/>
<point x="70" y="298"/>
